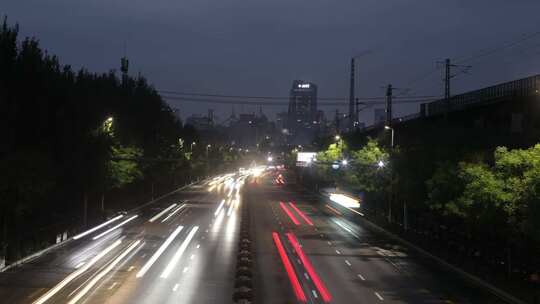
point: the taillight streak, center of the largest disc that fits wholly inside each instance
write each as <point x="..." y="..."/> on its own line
<point x="309" y="268"/>
<point x="289" y="268"/>
<point x="289" y="213"/>
<point x="302" y="215"/>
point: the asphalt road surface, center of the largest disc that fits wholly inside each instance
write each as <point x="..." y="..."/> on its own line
<point x="182" y="249"/>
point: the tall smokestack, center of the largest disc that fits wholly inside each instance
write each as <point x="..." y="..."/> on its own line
<point x="352" y="114"/>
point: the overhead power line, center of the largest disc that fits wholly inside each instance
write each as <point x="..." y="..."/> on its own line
<point x="283" y="103"/>
<point x="186" y="94"/>
<point x="499" y="48"/>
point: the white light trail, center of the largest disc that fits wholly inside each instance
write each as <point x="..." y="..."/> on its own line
<point x="219" y="208"/>
<point x="161" y="249"/>
<point x="173" y="213"/>
<point x="79" y="265"/>
<point x="97" y="227"/>
<point x="179" y="253"/>
<point x="344" y="200"/>
<point x="98" y="277"/>
<point x="162" y="213"/>
<point x="231" y="208"/>
<point x="75" y="274"/>
<point x="115" y="227"/>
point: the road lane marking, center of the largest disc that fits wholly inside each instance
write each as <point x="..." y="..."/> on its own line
<point x="112" y="286"/>
<point x="379" y="296"/>
<point x="338" y="252"/>
<point x="348" y="263"/>
<point x="175" y="287"/>
<point x="198" y="246"/>
<point x="185" y="269"/>
<point x="192" y="257"/>
<point x="329" y="243"/>
<point x="131" y="268"/>
<point x="314" y="293"/>
<point x="306" y="275"/>
<point x="361" y="277"/>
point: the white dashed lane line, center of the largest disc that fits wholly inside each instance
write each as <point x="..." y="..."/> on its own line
<point x="175" y="287"/>
<point x="348" y="263"/>
<point x="112" y="286"/>
<point x="306" y="275"/>
<point x="314" y="293"/>
<point x="329" y="243"/>
<point x="379" y="296"/>
<point x="361" y="277"/>
<point x="131" y="268"/>
<point x="338" y="252"/>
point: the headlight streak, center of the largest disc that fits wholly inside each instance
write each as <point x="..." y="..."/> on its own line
<point x="115" y="227"/>
<point x="97" y="227"/>
<point x="179" y="253"/>
<point x="289" y="269"/>
<point x="75" y="274"/>
<point x="309" y="268"/>
<point x="345" y="201"/>
<point x="162" y="213"/>
<point x="158" y="253"/>
<point x="103" y="273"/>
<point x="173" y="213"/>
<point x="219" y="208"/>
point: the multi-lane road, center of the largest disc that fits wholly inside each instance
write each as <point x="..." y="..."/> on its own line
<point x="182" y="249"/>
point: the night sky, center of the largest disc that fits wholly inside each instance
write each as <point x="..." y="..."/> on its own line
<point x="258" y="47"/>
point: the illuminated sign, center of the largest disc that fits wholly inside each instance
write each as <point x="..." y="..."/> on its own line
<point x="306" y="157"/>
<point x="303" y="86"/>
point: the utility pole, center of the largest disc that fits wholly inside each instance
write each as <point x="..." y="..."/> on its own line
<point x="389" y="105"/>
<point x="447" y="77"/>
<point x="352" y="118"/>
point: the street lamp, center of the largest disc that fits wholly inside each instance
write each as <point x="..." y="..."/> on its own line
<point x="207" y="147"/>
<point x="193" y="144"/>
<point x="380" y="164"/>
<point x="337" y="137"/>
<point x="270" y="159"/>
<point x="392" y="136"/>
<point x="344" y="162"/>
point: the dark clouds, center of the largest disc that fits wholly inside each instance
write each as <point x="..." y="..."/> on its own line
<point x="260" y="46"/>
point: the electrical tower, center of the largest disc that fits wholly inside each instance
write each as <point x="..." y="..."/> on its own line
<point x="352" y="114"/>
<point x="447" y="77"/>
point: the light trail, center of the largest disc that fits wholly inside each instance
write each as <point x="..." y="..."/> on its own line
<point x="173" y="213"/>
<point x="98" y="277"/>
<point x="289" y="268"/>
<point x="302" y="215"/>
<point x="162" y="213"/>
<point x="333" y="210"/>
<point x="160" y="250"/>
<point x="75" y="274"/>
<point x="309" y="268"/>
<point x="289" y="213"/>
<point x="115" y="227"/>
<point x="97" y="227"/>
<point x="179" y="253"/>
<point x="219" y="208"/>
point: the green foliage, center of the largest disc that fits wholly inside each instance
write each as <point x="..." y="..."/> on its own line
<point x="122" y="170"/>
<point x="504" y="195"/>
<point x="366" y="173"/>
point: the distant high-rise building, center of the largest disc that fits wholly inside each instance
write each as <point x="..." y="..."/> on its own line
<point x="303" y="117"/>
